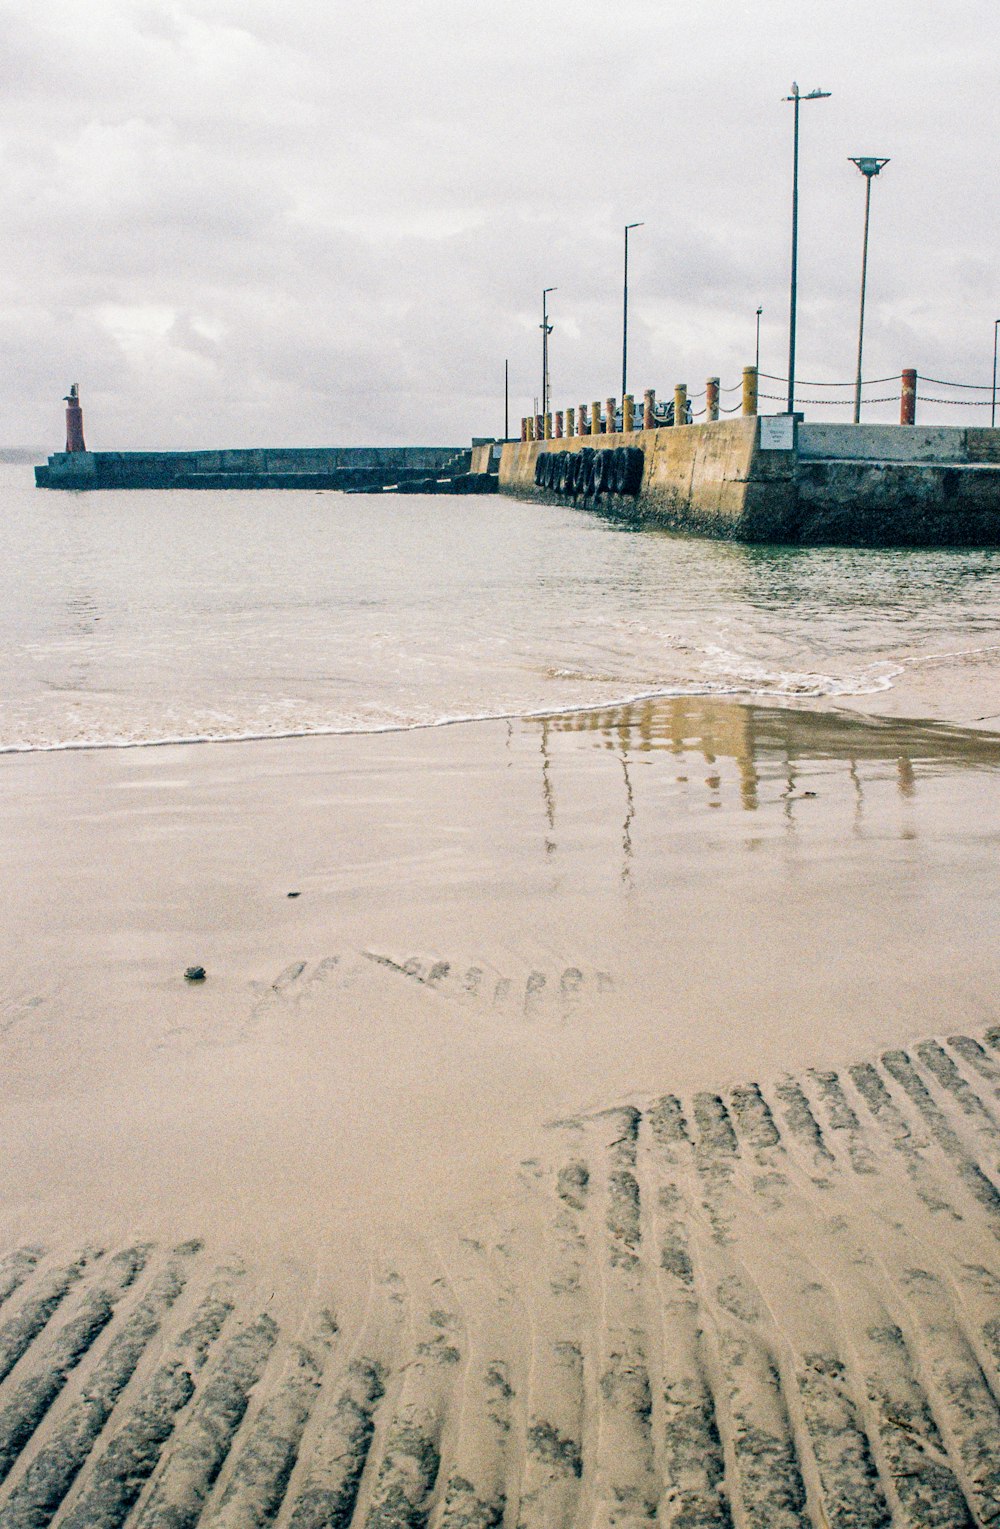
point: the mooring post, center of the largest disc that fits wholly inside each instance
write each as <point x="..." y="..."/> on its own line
<point x="539" y="427"/>
<point x="529" y="428"/>
<point x="648" y="409"/>
<point x="908" y="397"/>
<point x="610" y="411"/>
<point x="548" y="425"/>
<point x="560" y="417"/>
<point x="711" y="398"/>
<point x="595" y="417"/>
<point x="524" y="427"/>
<point x="628" y="412"/>
<point x="680" y="404"/>
<point x="749" y="390"/>
<point x="571" y="421"/>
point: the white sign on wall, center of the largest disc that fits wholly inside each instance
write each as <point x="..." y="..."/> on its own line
<point x="777" y="432"/>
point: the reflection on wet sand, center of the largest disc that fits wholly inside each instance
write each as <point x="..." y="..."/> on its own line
<point x="768" y="742"/>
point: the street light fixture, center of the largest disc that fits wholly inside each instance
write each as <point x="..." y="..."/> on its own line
<point x="756" y="357"/>
<point x="546" y="329"/>
<point x="796" y="99"/>
<point x="625" y="312"/>
<point x="869" y="167"/>
<point x="993" y="410"/>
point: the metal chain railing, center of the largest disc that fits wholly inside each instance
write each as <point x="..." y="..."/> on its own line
<point x="869" y="382"/>
<point x="838" y="403"/>
<point x="976" y="387"/>
<point x="957" y="403"/>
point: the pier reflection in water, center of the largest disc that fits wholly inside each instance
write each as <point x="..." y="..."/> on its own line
<point x="752" y="757"/>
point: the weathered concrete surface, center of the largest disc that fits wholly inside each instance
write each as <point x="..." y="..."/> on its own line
<point x="900" y="504"/>
<point x="486" y="457"/>
<point x="855" y="485"/>
<point x="881" y="443"/>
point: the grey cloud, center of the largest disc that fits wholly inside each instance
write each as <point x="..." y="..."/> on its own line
<point x="236" y="221"/>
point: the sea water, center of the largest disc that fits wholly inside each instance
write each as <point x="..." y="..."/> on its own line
<point x="141" y="617"/>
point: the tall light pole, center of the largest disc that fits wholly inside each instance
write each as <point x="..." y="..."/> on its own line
<point x="546" y="328"/>
<point x="796" y="99"/>
<point x="869" y="168"/>
<point x="506" y="400"/>
<point x="625" y="312"/>
<point x="756" y="354"/>
<point x="993" y="410"/>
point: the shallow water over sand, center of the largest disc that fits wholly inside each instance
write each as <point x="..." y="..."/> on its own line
<point x="139" y="617"/>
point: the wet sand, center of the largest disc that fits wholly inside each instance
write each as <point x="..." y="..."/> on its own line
<point x="606" y="1133"/>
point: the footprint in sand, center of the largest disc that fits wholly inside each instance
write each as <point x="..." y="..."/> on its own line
<point x="539" y="994"/>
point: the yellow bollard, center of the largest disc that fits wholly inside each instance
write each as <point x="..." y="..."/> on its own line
<point x="749" y="390"/>
<point x="711" y="398"/>
<point x="548" y="426"/>
<point x="524" y="427"/>
<point x="560" y="416"/>
<point x="609" y="421"/>
<point x="595" y="418"/>
<point x="628" y="412"/>
<point x="680" y="404"/>
<point x="529" y="429"/>
<point x="648" y="405"/>
<point x="570" y="421"/>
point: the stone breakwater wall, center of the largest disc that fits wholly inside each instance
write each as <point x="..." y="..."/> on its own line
<point x="357" y="468"/>
<point x="860" y="485"/>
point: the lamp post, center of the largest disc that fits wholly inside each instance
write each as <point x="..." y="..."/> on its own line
<point x="546" y="328"/>
<point x="796" y="99"/>
<point x="869" y="167"/>
<point x="506" y="400"/>
<point x="993" y="410"/>
<point x="625" y="312"/>
<point x="756" y="354"/>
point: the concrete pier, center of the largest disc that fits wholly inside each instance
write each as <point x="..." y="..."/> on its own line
<point x="770" y="479"/>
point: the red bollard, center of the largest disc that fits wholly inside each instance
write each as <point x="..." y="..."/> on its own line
<point x="74" y="420"/>
<point x="908" y="397"/>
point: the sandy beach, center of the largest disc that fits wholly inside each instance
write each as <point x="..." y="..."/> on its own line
<point x="605" y="1132"/>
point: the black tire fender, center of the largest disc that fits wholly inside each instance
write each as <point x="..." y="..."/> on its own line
<point x="581" y="483"/>
<point x="604" y="465"/>
<point x="632" y="469"/>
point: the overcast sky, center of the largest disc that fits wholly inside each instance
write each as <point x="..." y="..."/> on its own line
<point x="241" y="222"/>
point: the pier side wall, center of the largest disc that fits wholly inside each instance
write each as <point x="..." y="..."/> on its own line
<point x="707" y="478"/>
<point x="847" y="485"/>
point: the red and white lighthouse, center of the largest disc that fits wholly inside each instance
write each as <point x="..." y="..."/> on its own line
<point x="74" y="420"/>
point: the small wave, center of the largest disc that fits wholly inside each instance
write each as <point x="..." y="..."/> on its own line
<point x="757" y="687"/>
